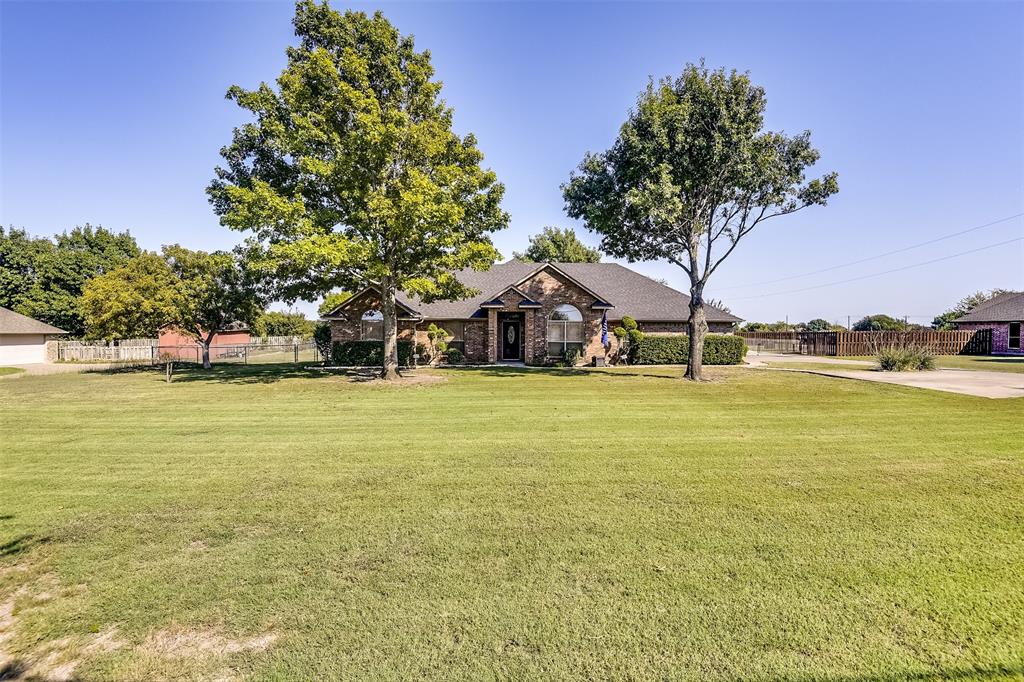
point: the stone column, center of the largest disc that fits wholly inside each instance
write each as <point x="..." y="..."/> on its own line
<point x="492" y="335"/>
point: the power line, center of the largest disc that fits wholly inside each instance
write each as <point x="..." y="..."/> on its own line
<point x="870" y="258"/>
<point x="884" y="272"/>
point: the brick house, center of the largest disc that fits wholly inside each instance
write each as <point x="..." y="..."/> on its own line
<point x="530" y="312"/>
<point x="1003" y="314"/>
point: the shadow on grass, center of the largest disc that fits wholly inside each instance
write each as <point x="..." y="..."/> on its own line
<point x="13" y="670"/>
<point x="591" y="372"/>
<point x="20" y="545"/>
<point x="992" y="672"/>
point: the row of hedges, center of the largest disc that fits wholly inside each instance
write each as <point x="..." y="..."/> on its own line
<point x="719" y="349"/>
<point x="367" y="353"/>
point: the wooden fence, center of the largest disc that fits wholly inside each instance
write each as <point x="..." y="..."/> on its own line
<point x="123" y="350"/>
<point x="959" y="342"/>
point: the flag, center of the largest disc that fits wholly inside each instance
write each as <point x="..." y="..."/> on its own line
<point x="604" y="329"/>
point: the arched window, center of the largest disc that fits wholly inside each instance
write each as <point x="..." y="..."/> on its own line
<point x="371" y="327"/>
<point x="565" y="330"/>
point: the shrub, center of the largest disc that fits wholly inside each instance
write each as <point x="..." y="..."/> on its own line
<point x="719" y="349"/>
<point x="367" y="353"/>
<point x="454" y="356"/>
<point x="902" y="358"/>
<point x="571" y="357"/>
<point x="322" y="339"/>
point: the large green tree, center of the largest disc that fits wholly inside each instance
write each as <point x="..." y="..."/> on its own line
<point x="44" y="278"/>
<point x="351" y="176"/>
<point x="277" y="323"/>
<point x="879" y="323"/>
<point x="691" y="173"/>
<point x="133" y="300"/>
<point x="332" y="301"/>
<point x="555" y="245"/>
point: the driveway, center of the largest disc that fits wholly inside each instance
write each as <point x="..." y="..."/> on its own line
<point x="61" y="368"/>
<point x="965" y="381"/>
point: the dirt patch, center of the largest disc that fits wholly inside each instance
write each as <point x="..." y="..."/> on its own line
<point x="184" y="643"/>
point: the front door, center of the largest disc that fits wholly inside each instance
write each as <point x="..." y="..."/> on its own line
<point x="511" y="343"/>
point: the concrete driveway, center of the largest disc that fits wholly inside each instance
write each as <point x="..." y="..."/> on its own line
<point x="965" y="381"/>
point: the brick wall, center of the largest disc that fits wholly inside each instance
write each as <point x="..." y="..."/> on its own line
<point x="1000" y="336"/>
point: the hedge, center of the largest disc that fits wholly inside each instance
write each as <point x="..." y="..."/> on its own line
<point x="719" y="349"/>
<point x="367" y="353"/>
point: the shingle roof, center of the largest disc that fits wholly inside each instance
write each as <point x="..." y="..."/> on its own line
<point x="630" y="292"/>
<point x="16" y="323"/>
<point x="1008" y="307"/>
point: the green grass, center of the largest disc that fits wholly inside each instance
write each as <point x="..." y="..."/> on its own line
<point x="819" y="366"/>
<point x="510" y="524"/>
<point x="986" y="363"/>
<point x="10" y="370"/>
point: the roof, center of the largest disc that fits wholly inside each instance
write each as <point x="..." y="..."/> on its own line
<point x="1008" y="307"/>
<point x="16" y="323"/>
<point x="614" y="286"/>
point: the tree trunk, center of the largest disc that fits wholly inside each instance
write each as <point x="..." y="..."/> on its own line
<point x="206" y="350"/>
<point x="389" y="311"/>
<point x="697" y="327"/>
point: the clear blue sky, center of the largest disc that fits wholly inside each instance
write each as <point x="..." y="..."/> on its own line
<point x="113" y="113"/>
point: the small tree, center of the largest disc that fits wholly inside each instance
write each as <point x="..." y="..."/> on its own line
<point x="350" y="176"/>
<point x="691" y="174"/>
<point x="216" y="291"/>
<point x="818" y="325"/>
<point x="629" y="338"/>
<point x="554" y="245"/>
<point x="438" y="341"/>
<point x="131" y="301"/>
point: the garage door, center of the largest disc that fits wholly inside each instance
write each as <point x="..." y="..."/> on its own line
<point x="22" y="349"/>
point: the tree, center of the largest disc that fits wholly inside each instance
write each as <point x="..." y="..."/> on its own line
<point x="879" y="323"/>
<point x="332" y="301"/>
<point x="554" y="245"/>
<point x="818" y="325"/>
<point x="690" y="171"/>
<point x="44" y="279"/>
<point x="291" y="323"/>
<point x="718" y="303"/>
<point x="216" y="290"/>
<point x="964" y="306"/>
<point x="131" y="301"/>
<point x="350" y="176"/>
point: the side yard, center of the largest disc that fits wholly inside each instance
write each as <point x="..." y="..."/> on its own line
<point x="267" y="522"/>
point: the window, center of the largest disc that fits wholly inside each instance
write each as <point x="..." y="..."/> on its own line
<point x="371" y="327"/>
<point x="457" y="330"/>
<point x="565" y="330"/>
<point x="1014" y="340"/>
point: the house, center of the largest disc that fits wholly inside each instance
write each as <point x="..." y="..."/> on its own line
<point x="23" y="339"/>
<point x="175" y="344"/>
<point x="531" y="312"/>
<point x="1003" y="314"/>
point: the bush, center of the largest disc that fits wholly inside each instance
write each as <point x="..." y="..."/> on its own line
<point x="719" y="349"/>
<point x="454" y="356"/>
<point x="322" y="339"/>
<point x="367" y="353"/>
<point x="571" y="357"/>
<point x="897" y="358"/>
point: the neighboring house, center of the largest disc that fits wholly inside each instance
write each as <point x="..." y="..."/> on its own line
<point x="530" y="312"/>
<point x="23" y="339"/>
<point x="1003" y="314"/>
<point x="173" y="343"/>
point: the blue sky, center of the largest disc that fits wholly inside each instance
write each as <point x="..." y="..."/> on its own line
<point x="114" y="113"/>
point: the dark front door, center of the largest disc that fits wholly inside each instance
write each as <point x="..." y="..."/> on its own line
<point x="511" y="340"/>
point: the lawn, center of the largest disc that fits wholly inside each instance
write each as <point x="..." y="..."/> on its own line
<point x="10" y="370"/>
<point x="269" y="523"/>
<point x="986" y="363"/>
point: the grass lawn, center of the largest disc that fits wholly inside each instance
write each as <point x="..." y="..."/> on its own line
<point x="10" y="370"/>
<point x="269" y="523"/>
<point x="986" y="363"/>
